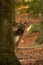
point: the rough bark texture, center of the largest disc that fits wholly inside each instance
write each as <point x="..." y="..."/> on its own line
<point x="7" y="55"/>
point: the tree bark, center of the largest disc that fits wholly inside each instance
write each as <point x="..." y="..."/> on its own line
<point x="7" y="55"/>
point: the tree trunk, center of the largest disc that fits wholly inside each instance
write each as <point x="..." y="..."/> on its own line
<point x="40" y="38"/>
<point x="7" y="55"/>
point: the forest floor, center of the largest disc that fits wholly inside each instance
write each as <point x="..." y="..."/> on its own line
<point x="29" y="53"/>
<point x="30" y="56"/>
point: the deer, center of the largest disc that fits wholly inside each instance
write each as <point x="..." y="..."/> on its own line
<point x="19" y="33"/>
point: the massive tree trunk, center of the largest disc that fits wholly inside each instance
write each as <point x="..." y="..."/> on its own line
<point x="40" y="38"/>
<point x="7" y="55"/>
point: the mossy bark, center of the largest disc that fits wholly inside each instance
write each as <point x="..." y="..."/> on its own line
<point x="7" y="55"/>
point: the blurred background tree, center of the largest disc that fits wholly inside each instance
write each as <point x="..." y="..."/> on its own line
<point x="40" y="38"/>
<point x="33" y="7"/>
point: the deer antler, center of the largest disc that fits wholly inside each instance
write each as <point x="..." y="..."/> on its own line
<point x="19" y="24"/>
